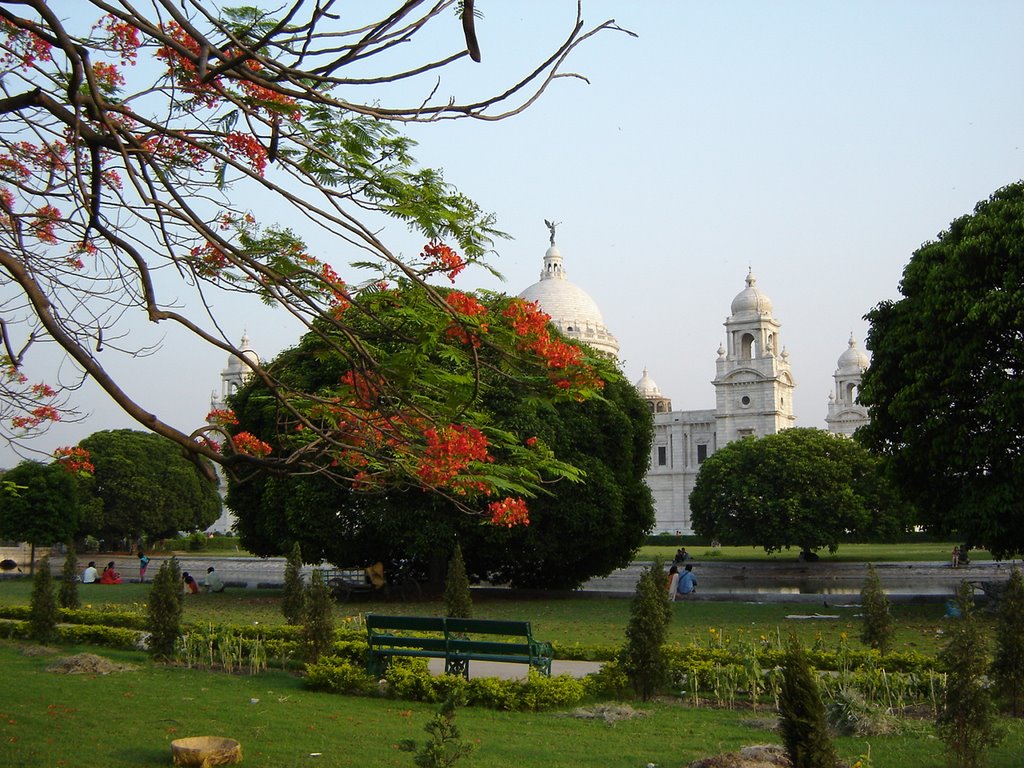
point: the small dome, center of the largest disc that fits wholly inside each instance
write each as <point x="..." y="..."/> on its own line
<point x="853" y="359"/>
<point x="236" y="365"/>
<point x="751" y="300"/>
<point x="646" y="387"/>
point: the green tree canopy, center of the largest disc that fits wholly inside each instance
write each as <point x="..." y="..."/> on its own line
<point x="946" y="384"/>
<point x="801" y="487"/>
<point x="586" y="518"/>
<point x="144" y="484"/>
<point x="42" y="508"/>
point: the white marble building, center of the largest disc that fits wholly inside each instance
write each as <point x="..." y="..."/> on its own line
<point x="753" y="386"/>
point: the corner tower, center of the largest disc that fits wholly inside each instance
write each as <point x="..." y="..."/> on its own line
<point x="845" y="414"/>
<point x="753" y="382"/>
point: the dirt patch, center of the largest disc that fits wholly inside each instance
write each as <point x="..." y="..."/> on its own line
<point x="609" y="713"/>
<point x="760" y="756"/>
<point x="88" y="664"/>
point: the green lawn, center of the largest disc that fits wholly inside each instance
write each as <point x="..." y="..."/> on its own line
<point x="566" y="620"/>
<point x="129" y="719"/>
<point x="847" y="553"/>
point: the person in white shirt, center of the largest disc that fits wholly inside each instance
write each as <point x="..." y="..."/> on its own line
<point x="89" y="575"/>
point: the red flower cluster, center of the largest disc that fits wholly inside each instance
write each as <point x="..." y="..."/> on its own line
<point x="469" y="306"/>
<point x="211" y="259"/>
<point x="444" y="259"/>
<point x="450" y="451"/>
<point x="35" y="417"/>
<point x="44" y="224"/>
<point x="509" y="512"/>
<point x="247" y="146"/>
<point x="183" y="69"/>
<point x="221" y="417"/>
<point x="175" y="151"/>
<point x="75" y="460"/>
<point x="249" y="444"/>
<point x="124" y="38"/>
<point x="565" y="361"/>
<point x="23" y="46"/>
<point x="336" y="287"/>
<point x="107" y="75"/>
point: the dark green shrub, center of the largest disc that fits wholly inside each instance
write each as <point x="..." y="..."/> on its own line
<point x="878" y="628"/>
<point x="43" y="607"/>
<point x="69" y="581"/>
<point x="457" y="600"/>
<point x="802" y="720"/>
<point x="108" y="637"/>
<point x="643" y="659"/>
<point x="339" y="675"/>
<point x="196" y="542"/>
<point x="1008" y="666"/>
<point x="293" y="601"/>
<point x="445" y="746"/>
<point x="318" y="619"/>
<point x="967" y="722"/>
<point x="164" y="610"/>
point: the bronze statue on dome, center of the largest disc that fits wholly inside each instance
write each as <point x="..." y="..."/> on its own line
<point x="551" y="228"/>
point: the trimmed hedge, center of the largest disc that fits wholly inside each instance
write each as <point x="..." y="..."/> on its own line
<point x="410" y="679"/>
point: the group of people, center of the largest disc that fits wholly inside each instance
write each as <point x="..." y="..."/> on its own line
<point x="212" y="582"/>
<point x="109" y="575"/>
<point x="681" y="584"/>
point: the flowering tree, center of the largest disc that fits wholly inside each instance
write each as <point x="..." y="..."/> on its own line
<point x="133" y="144"/>
<point x="588" y="457"/>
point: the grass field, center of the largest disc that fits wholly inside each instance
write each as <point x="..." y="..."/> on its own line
<point x="129" y="718"/>
<point x="566" y="621"/>
<point x="847" y="553"/>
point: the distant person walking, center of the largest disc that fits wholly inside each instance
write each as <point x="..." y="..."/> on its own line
<point x="687" y="582"/>
<point x="956" y="557"/>
<point x="143" y="564"/>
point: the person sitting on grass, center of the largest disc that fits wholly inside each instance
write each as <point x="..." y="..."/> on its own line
<point x="110" y="574"/>
<point x="90" y="575"/>
<point x="190" y="583"/>
<point x="213" y="581"/>
<point x="687" y="582"/>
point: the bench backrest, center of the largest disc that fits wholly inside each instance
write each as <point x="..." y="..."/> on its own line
<point x="488" y="627"/>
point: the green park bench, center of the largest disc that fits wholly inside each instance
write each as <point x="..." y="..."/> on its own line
<point x="457" y="641"/>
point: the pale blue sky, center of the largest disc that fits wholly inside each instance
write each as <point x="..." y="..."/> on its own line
<point x="817" y="142"/>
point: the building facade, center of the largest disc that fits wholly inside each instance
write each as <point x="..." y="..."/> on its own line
<point x="753" y="386"/>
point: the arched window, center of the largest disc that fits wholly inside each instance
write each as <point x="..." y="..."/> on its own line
<point x="746" y="346"/>
<point x="851" y="392"/>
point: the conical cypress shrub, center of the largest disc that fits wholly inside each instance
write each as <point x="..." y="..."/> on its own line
<point x="69" y="581"/>
<point x="294" y="600"/>
<point x="643" y="657"/>
<point x="42" y="623"/>
<point x="164" y="609"/>
<point x="1008" y="667"/>
<point x="878" y="628"/>
<point x="457" y="601"/>
<point x="802" y="714"/>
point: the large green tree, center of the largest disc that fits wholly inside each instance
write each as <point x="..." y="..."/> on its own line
<point x="946" y="384"/>
<point x="42" y="505"/>
<point x="166" y="192"/>
<point x="582" y="522"/>
<point x="144" y="484"/>
<point x="800" y="487"/>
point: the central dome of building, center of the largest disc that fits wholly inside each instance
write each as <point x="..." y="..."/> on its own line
<point x="572" y="309"/>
